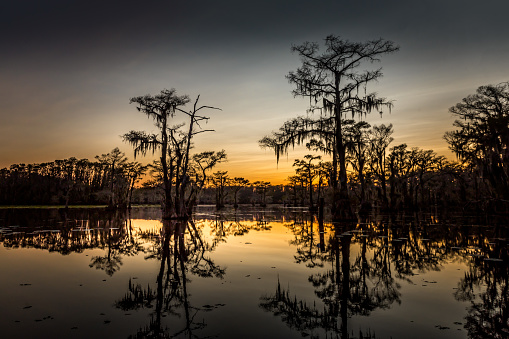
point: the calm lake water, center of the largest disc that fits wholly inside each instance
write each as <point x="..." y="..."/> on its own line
<point x="254" y="273"/>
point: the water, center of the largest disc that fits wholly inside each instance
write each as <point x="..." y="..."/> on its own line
<point x="254" y="273"/>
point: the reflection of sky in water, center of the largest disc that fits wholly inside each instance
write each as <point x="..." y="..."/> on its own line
<point x="54" y="295"/>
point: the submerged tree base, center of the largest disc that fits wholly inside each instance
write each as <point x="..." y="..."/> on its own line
<point x="342" y="210"/>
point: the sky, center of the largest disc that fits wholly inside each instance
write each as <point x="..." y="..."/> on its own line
<point x="69" y="68"/>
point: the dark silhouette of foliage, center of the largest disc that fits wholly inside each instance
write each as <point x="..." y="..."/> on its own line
<point x="261" y="188"/>
<point x="219" y="180"/>
<point x="482" y="136"/>
<point x="336" y="88"/>
<point x="237" y="184"/>
<point x="181" y="251"/>
<point x="174" y="145"/>
<point x="379" y="140"/>
<point x="114" y="161"/>
<point x="308" y="171"/>
<point x="110" y="180"/>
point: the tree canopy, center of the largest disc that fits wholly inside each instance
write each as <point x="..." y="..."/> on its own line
<point x="336" y="86"/>
<point x="482" y="135"/>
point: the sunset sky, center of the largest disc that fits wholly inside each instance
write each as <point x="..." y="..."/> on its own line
<point x="68" y="69"/>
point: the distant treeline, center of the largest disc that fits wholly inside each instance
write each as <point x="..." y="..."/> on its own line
<point x="108" y="180"/>
<point x="405" y="179"/>
<point x="387" y="179"/>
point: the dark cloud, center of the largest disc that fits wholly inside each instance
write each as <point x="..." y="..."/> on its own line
<point x="67" y="28"/>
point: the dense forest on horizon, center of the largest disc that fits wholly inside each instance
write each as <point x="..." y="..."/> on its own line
<point x="108" y="180"/>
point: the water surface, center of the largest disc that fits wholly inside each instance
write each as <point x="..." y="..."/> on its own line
<point x="252" y="273"/>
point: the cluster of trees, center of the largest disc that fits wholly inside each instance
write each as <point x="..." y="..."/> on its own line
<point x="336" y="90"/>
<point x="392" y="178"/>
<point x="481" y="140"/>
<point x="237" y="190"/>
<point x="181" y="174"/>
<point x="110" y="179"/>
<point x="400" y="177"/>
<point x="363" y="170"/>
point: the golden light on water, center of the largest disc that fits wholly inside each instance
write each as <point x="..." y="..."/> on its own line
<point x="411" y="273"/>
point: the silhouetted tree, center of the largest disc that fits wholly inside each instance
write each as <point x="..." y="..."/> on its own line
<point x="174" y="144"/>
<point x="335" y="87"/>
<point x="482" y="135"/>
<point x="201" y="164"/>
<point x="64" y="181"/>
<point x="323" y="170"/>
<point x="113" y="160"/>
<point x="297" y="186"/>
<point x="237" y="184"/>
<point x="308" y="171"/>
<point x="219" y="180"/>
<point x="261" y="188"/>
<point x="161" y="108"/>
<point x="399" y="168"/>
<point x="356" y="144"/>
<point x="133" y="171"/>
<point x="379" y="139"/>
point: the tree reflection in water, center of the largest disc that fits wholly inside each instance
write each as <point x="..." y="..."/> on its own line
<point x="181" y="250"/>
<point x="69" y="232"/>
<point x="309" y="250"/>
<point x="118" y="237"/>
<point x="224" y="226"/>
<point x="486" y="286"/>
<point x="387" y="253"/>
<point x="350" y="286"/>
<point x="353" y="269"/>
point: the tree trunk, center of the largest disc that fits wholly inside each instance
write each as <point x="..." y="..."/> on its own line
<point x="167" y="208"/>
<point x="342" y="209"/>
